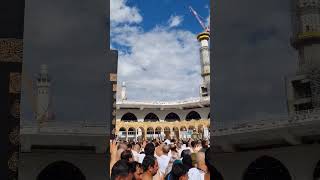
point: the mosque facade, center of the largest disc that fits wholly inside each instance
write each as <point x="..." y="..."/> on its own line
<point x="138" y="120"/>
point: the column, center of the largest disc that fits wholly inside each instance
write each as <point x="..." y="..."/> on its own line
<point x="171" y="134"/>
<point x="126" y="134"/>
<point x="162" y="135"/>
<point x="136" y="134"/>
<point x="144" y="134"/>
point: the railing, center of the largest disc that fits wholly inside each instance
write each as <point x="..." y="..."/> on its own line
<point x="298" y="118"/>
<point x="64" y="128"/>
<point x="179" y="102"/>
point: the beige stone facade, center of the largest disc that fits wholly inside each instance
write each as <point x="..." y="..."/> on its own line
<point x="163" y="129"/>
<point x="136" y="123"/>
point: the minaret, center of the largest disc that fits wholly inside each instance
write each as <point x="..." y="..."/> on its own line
<point x="303" y="90"/>
<point x="43" y="85"/>
<point x="123" y="92"/>
<point x="203" y="38"/>
<point x="306" y="33"/>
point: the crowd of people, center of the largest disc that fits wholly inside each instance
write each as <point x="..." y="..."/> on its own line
<point x="162" y="160"/>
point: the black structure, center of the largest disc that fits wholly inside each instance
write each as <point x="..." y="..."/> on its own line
<point x="11" y="53"/>
<point x="267" y="168"/>
<point x="61" y="170"/>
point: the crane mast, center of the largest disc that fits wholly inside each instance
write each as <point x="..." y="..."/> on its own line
<point x="200" y="20"/>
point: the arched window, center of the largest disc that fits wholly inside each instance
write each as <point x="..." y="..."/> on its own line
<point x="150" y="130"/>
<point x="61" y="170"/>
<point x="122" y="132"/>
<point x="151" y="117"/>
<point x="140" y="133"/>
<point x="183" y="128"/>
<point x="129" y="117"/>
<point x="316" y="174"/>
<point x="131" y="131"/>
<point x="266" y="167"/>
<point x="171" y="117"/>
<point x="158" y="130"/>
<point x="193" y="115"/>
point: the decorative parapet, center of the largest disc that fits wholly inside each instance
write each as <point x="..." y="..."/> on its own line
<point x="11" y="50"/>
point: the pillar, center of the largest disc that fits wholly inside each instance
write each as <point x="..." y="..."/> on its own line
<point x="144" y="134"/>
<point x="162" y="134"/>
<point x="126" y="134"/>
<point x="136" y="134"/>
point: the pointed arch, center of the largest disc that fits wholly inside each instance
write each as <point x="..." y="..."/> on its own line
<point x="151" y="117"/>
<point x="193" y="115"/>
<point x="61" y="170"/>
<point x="171" y="117"/>
<point x="122" y="133"/>
<point x="129" y="117"/>
<point x="141" y="133"/>
<point x="150" y="130"/>
<point x="158" y="130"/>
<point x="183" y="128"/>
<point x="131" y="131"/>
<point x="266" y="167"/>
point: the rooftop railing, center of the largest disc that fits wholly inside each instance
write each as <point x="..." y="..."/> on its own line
<point x="64" y="128"/>
<point x="294" y="119"/>
<point x="178" y="102"/>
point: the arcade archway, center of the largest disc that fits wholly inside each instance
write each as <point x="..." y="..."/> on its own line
<point x="132" y="133"/>
<point x="150" y="133"/>
<point x="141" y="134"/>
<point x="122" y="133"/>
<point x="128" y="117"/>
<point x="61" y="170"/>
<point x="266" y="168"/>
<point x="183" y="132"/>
<point x="193" y="115"/>
<point x="158" y="132"/>
<point x="151" y="117"/>
<point x="172" y="117"/>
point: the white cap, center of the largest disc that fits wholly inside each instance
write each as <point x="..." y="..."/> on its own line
<point x="167" y="141"/>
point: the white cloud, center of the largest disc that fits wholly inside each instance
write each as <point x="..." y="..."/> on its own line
<point x="121" y="13"/>
<point x="175" y="21"/>
<point x="160" y="64"/>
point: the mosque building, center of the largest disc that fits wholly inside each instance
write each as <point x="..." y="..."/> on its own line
<point x="137" y="120"/>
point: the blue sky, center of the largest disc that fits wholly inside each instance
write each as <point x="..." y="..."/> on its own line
<point x="157" y="12"/>
<point x="158" y="50"/>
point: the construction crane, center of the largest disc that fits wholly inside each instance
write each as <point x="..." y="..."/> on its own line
<point x="200" y="20"/>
